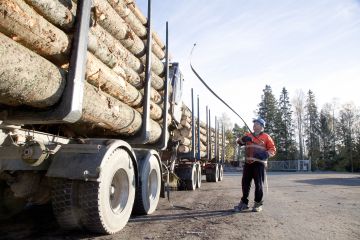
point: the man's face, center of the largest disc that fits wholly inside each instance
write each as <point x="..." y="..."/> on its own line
<point x="258" y="127"/>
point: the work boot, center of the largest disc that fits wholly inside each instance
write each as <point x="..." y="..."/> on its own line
<point x="257" y="207"/>
<point x="241" y="207"/>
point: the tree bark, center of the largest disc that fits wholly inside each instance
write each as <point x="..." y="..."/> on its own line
<point x="185" y="123"/>
<point x="102" y="52"/>
<point x="158" y="52"/>
<point x="115" y="46"/>
<point x="99" y="75"/>
<point x="102" y="110"/>
<point x="154" y="95"/>
<point x="176" y="134"/>
<point x="183" y="140"/>
<point x="124" y="56"/>
<point x="21" y="23"/>
<point x="132" y="6"/>
<point x="27" y="35"/>
<point x="135" y="24"/>
<point x="107" y="17"/>
<point x="155" y="112"/>
<point x="203" y="138"/>
<point x="186" y="132"/>
<point x="26" y="78"/>
<point x="203" y="131"/>
<point x="186" y="111"/>
<point x="156" y="81"/>
<point x="125" y="13"/>
<point x="185" y="118"/>
<point x="55" y="12"/>
<point x="183" y="149"/>
<point x="137" y="12"/>
<point x="105" y="50"/>
<point x="202" y="125"/>
<point x="24" y="74"/>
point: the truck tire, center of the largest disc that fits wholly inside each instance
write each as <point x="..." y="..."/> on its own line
<point x="198" y="182"/>
<point x="191" y="182"/>
<point x="209" y="176"/>
<point x="179" y="172"/>
<point x="215" y="174"/>
<point x="64" y="200"/>
<point x="221" y="173"/>
<point x="148" y="191"/>
<point x="106" y="205"/>
<point x="9" y="204"/>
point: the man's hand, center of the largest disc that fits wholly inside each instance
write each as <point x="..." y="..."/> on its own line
<point x="246" y="139"/>
<point x="243" y="140"/>
<point x="261" y="154"/>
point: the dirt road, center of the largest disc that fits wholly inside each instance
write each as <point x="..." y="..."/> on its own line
<point x="297" y="206"/>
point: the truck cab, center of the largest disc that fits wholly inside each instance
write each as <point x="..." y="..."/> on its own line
<point x="177" y="80"/>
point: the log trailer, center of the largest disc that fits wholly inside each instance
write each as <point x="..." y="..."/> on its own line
<point x="201" y="150"/>
<point x="88" y="114"/>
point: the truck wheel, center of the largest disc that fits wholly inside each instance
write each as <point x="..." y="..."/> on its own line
<point x="148" y="192"/>
<point x="9" y="204"/>
<point x="64" y="200"/>
<point x="198" y="182"/>
<point x="221" y="172"/>
<point x="215" y="174"/>
<point x="181" y="174"/>
<point x="191" y="182"/>
<point x="208" y="176"/>
<point x="106" y="205"/>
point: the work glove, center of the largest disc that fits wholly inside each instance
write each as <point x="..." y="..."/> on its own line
<point x="241" y="141"/>
<point x="246" y="139"/>
<point x="261" y="154"/>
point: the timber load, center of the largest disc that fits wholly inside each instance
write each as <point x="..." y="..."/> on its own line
<point x="35" y="48"/>
<point x="184" y="134"/>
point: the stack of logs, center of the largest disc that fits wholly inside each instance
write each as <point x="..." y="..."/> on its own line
<point x="35" y="47"/>
<point x="213" y="140"/>
<point x="184" y="135"/>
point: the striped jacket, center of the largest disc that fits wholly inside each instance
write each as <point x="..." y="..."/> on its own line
<point x="262" y="142"/>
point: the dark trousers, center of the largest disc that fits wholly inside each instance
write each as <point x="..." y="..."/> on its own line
<point x="254" y="171"/>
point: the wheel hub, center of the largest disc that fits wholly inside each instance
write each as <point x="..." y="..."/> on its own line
<point x="119" y="191"/>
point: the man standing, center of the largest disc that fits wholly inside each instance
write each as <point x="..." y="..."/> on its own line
<point x="259" y="146"/>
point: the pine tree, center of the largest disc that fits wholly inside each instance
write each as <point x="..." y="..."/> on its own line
<point x="357" y="146"/>
<point x="268" y="111"/>
<point x="348" y="118"/>
<point x="285" y="130"/>
<point x="237" y="132"/>
<point x="312" y="129"/>
<point x="230" y="146"/>
<point x="327" y="137"/>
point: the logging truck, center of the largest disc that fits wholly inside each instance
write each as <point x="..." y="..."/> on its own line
<point x="92" y="118"/>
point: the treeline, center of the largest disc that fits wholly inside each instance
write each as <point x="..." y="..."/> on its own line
<point x="329" y="137"/>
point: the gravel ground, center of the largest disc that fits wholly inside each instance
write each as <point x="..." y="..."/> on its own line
<point x="296" y="206"/>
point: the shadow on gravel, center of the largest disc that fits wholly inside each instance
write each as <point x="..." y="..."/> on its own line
<point x="183" y="215"/>
<point x="332" y="181"/>
<point x="36" y="222"/>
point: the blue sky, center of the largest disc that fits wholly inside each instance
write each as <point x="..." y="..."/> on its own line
<point x="244" y="45"/>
